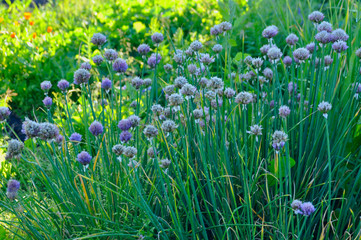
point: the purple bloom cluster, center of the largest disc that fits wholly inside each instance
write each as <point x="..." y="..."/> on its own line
<point x="96" y="128"/>
<point x="120" y="65"/>
<point x="13" y="188"/>
<point x="63" y="85"/>
<point x="84" y="158"/>
<point x="81" y="76"/>
<point x="154" y="59"/>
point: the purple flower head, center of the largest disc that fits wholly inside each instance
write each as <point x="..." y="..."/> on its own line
<point x="292" y="87"/>
<point x="137" y="82"/>
<point x="316" y="16"/>
<point x="13" y="185"/>
<point x="48" y="131"/>
<point x="284" y="111"/>
<point x="110" y="54"/>
<point x="45" y="86"/>
<point x="98" y="39"/>
<point x="154" y="59"/>
<point x="124" y="124"/>
<point x="217" y="48"/>
<point x="339" y="46"/>
<point x="339" y="34"/>
<point x="196" y="45"/>
<point x="295" y="205"/>
<point x="125" y="136"/>
<point x="207" y="59"/>
<point x="63" y="85"/>
<point x="120" y="65"/>
<point x="274" y="53"/>
<point x="59" y="139"/>
<point x="86" y="66"/>
<point x="75" y="137"/>
<point x="135" y="120"/>
<point x="287" y="60"/>
<point x="225" y="26"/>
<point x="307" y="208"/>
<point x="143" y="49"/>
<point x="84" y="158"/>
<point x="311" y="47"/>
<point x="268" y="73"/>
<point x="96" y="128"/>
<point x="168" y="67"/>
<point x="106" y="84"/>
<point x="216" y="30"/>
<point x="30" y="128"/>
<point x="4" y="113"/>
<point x="98" y="60"/>
<point x="81" y="76"/>
<point x="48" y="101"/>
<point x="323" y="37"/>
<point x="301" y="54"/>
<point x="278" y="140"/>
<point x="157" y="38"/>
<point x="324" y="26"/>
<point x="264" y="49"/>
<point x="292" y="39"/>
<point x="270" y="31"/>
<point x="278" y="146"/>
<point x="328" y="60"/>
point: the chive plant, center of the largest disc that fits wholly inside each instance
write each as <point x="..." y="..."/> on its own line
<point x="264" y="152"/>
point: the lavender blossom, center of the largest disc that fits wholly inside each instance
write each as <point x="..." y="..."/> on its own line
<point x="14" y="149"/>
<point x="196" y="46"/>
<point x="4" y="113"/>
<point x="81" y="76"/>
<point x="157" y="38"/>
<point x="48" y="101"/>
<point x="48" y="131"/>
<point x="307" y="208"/>
<point x="96" y="128"/>
<point x="284" y="111"/>
<point x="324" y="26"/>
<point x="323" y="37"/>
<point x="106" y="84"/>
<point x="63" y="85"/>
<point x="316" y="16"/>
<point x="98" y="60"/>
<point x="86" y="66"/>
<point x="124" y="124"/>
<point x="324" y="108"/>
<point x="287" y="60"/>
<point x="84" y="158"/>
<point x="120" y="65"/>
<point x="339" y="46"/>
<point x="110" y="54"/>
<point x="98" y="39"/>
<point x="292" y="39"/>
<point x="154" y="59"/>
<point x="45" y="86"/>
<point x="339" y="34"/>
<point x="75" y="137"/>
<point x="125" y="136"/>
<point x="270" y="32"/>
<point x="274" y="53"/>
<point x="143" y="49"/>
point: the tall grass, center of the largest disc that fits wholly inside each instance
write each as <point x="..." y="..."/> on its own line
<point x="222" y="181"/>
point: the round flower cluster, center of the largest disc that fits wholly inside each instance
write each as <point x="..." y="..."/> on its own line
<point x="13" y="188"/>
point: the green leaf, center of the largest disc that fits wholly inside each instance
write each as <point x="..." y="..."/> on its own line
<point x="139" y="26"/>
